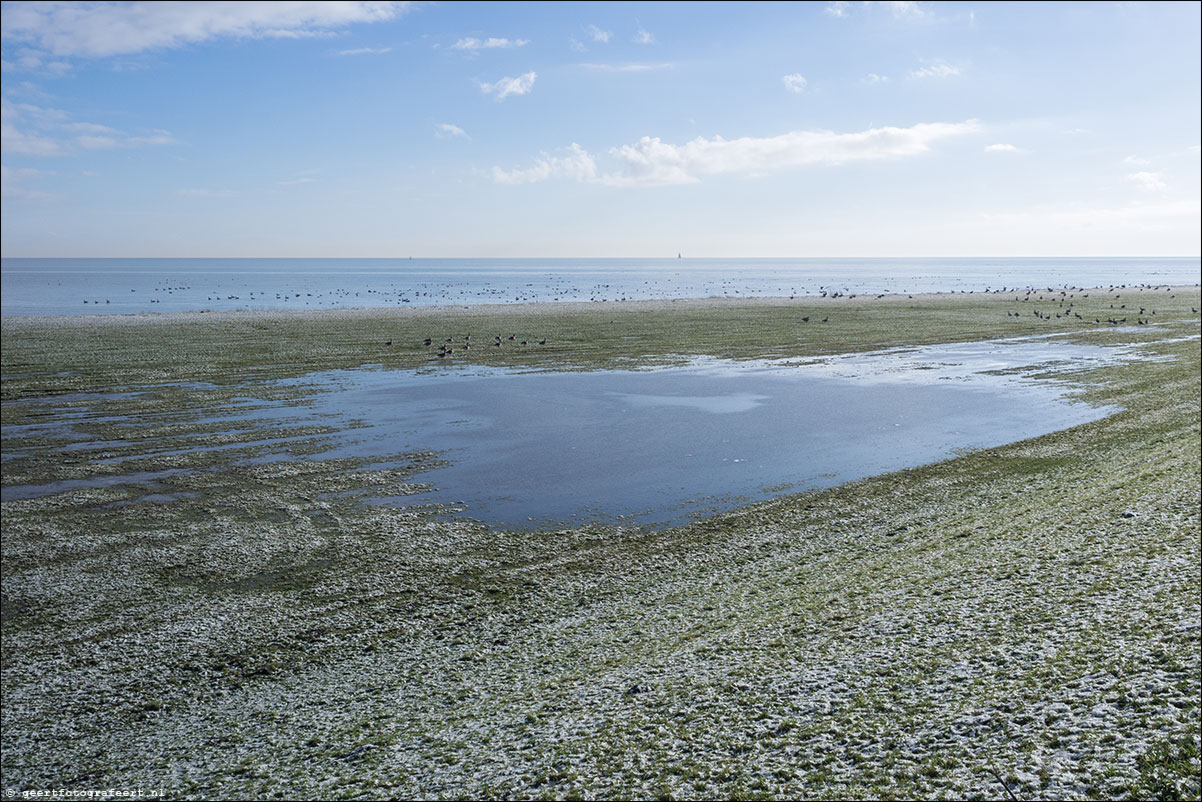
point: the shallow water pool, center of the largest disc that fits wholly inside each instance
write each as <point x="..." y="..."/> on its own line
<point x="663" y="445"/>
<point x="655" y="446"/>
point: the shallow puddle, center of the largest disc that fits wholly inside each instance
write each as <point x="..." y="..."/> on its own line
<point x="663" y="445"/>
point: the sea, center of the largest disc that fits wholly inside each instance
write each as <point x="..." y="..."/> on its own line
<point x="139" y="286"/>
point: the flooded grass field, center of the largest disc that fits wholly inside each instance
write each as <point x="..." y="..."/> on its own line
<point x="208" y="604"/>
<point x="657" y="446"/>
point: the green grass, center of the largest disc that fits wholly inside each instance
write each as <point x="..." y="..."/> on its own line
<point x="1031" y="609"/>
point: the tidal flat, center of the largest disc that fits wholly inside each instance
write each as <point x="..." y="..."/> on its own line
<point x="1025" y="616"/>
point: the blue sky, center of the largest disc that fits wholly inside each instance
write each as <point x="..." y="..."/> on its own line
<point x="600" y="129"/>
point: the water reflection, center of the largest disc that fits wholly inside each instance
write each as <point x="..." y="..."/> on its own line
<point x="657" y="445"/>
<point x="660" y="444"/>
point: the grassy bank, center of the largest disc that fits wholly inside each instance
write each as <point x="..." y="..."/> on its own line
<point x="1026" y="615"/>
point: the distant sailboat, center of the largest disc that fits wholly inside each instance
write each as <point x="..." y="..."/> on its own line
<point x="678" y="254"/>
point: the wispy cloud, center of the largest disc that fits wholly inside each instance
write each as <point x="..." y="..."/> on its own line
<point x="630" y="66"/>
<point x="873" y="78"/>
<point x="12" y="184"/>
<point x="491" y="43"/>
<point x="1136" y="161"/>
<point x="36" y="131"/>
<point x="30" y="60"/>
<point x="206" y="193"/>
<point x="940" y="69"/>
<point x="15" y="140"/>
<point x="575" y="165"/>
<point x="643" y="37"/>
<point x="365" y="51"/>
<point x="505" y="87"/>
<point x="1148" y="181"/>
<point x="653" y="162"/>
<point x="110" y="29"/>
<point x="302" y="177"/>
<point x="1001" y="147"/>
<point x="598" y="35"/>
<point x="794" y="82"/>
<point x="449" y="130"/>
<point x="903" y="8"/>
<point x="1137" y="216"/>
<point x="900" y="9"/>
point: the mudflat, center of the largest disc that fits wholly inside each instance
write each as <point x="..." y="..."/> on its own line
<point x="1026" y="615"/>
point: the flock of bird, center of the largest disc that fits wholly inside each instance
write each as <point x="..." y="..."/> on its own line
<point x="447" y="347"/>
<point x="1067" y="298"/>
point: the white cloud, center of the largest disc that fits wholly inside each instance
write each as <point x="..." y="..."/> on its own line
<point x="450" y="129"/>
<point x="577" y="165"/>
<point x="1001" y="147"/>
<point x="491" y="43"/>
<point x="31" y="60"/>
<point x="904" y="8"/>
<point x="365" y="51"/>
<point x="14" y="140"/>
<point x="899" y="8"/>
<point x="652" y="162"/>
<point x="1136" y="161"/>
<point x="599" y="35"/>
<point x="505" y="87"/>
<point x="794" y="82"/>
<point x="643" y="37"/>
<point x="939" y="69"/>
<point x="36" y="131"/>
<point x="1150" y="182"/>
<point x="109" y="29"/>
<point x="12" y="184"/>
<point x="873" y="78"/>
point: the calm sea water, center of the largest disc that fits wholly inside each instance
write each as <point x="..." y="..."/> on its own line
<point x="123" y="286"/>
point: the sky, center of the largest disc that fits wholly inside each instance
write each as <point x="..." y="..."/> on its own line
<point x="391" y="129"/>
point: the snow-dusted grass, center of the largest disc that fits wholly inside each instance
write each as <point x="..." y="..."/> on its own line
<point x="1027" y="614"/>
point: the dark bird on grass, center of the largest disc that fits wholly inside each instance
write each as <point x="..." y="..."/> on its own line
<point x="805" y="320"/>
<point x="388" y="343"/>
<point x="543" y="341"/>
<point x="825" y="319"/>
<point x="427" y="341"/>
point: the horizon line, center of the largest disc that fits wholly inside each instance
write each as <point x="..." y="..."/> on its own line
<point x="665" y="258"/>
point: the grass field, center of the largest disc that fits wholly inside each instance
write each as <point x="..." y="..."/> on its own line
<point x="1027" y="615"/>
